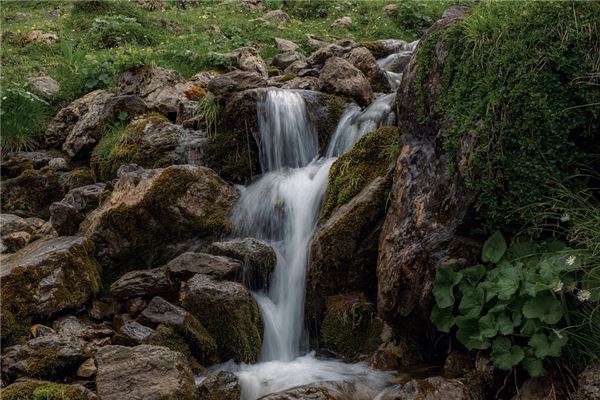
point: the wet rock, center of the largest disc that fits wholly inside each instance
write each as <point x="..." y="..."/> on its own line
<point x="224" y="86"/>
<point x="148" y="210"/>
<point x="133" y="333"/>
<point x="44" y="86"/>
<point x="397" y="62"/>
<point x="46" y="277"/>
<point x="385" y="47"/>
<point x="188" y="264"/>
<point x="13" y="164"/>
<point x="340" y="77"/>
<point x="343" y="22"/>
<point x="31" y="193"/>
<point x="284" y="60"/>
<point x="47" y="356"/>
<point x="286" y="45"/>
<point x="38" y="36"/>
<point x="589" y="383"/>
<point x="396" y="352"/>
<point x="278" y="16"/>
<point x="33" y="389"/>
<point x="149" y="282"/>
<point x="77" y="127"/>
<point x="144" y="372"/>
<point x="258" y="258"/>
<point x="67" y="214"/>
<point x="222" y="385"/>
<point x="229" y="313"/>
<point x="434" y="388"/>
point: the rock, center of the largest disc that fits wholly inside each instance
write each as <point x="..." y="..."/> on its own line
<point x="318" y="58"/>
<point x="202" y="78"/>
<point x="78" y="126"/>
<point x="33" y="389"/>
<point x="67" y="214"/>
<point x="142" y="372"/>
<point x="103" y="310"/>
<point x="396" y="352"/>
<point x="306" y="83"/>
<point x="31" y="193"/>
<point x="340" y="77"/>
<point x="252" y="5"/>
<point x="44" y="86"/>
<point x="144" y="81"/>
<point x="80" y="176"/>
<point x="390" y="9"/>
<point x="53" y="14"/>
<point x="537" y="388"/>
<point x="188" y="264"/>
<point x="149" y="282"/>
<point x="135" y="306"/>
<point x="434" y="388"/>
<point x="152" y="4"/>
<point x="343" y="22"/>
<point x="385" y="47"/>
<point x="286" y="45"/>
<point x="148" y="210"/>
<point x="49" y="356"/>
<point x="222" y="385"/>
<point x="327" y="390"/>
<point x="46" y="277"/>
<point x="229" y="313"/>
<point x="69" y="326"/>
<point x="589" y="383"/>
<point x="248" y="59"/>
<point x="455" y="12"/>
<point x="362" y="59"/>
<point x="87" y="369"/>
<point x="13" y="164"/>
<point x="224" y="86"/>
<point x="258" y="258"/>
<point x="278" y="16"/>
<point x="284" y="60"/>
<point x="296" y="67"/>
<point x="18" y="16"/>
<point x="59" y="164"/>
<point x="38" y="330"/>
<point x="397" y="62"/>
<point x="37" y="36"/>
<point x="134" y="333"/>
<point x="17" y="232"/>
<point x="15" y="241"/>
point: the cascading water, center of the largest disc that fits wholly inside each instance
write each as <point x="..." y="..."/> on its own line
<point x="282" y="207"/>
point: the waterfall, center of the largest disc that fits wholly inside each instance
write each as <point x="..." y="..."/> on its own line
<point x="282" y="207"/>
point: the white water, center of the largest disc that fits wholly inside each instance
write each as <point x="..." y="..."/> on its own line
<point x="282" y="207"/>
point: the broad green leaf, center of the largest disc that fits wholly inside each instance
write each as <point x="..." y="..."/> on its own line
<point x="547" y="345"/>
<point x="442" y="318"/>
<point x="530" y="327"/>
<point x="443" y="287"/>
<point x="505" y="355"/>
<point x="534" y="367"/>
<point x="468" y="333"/>
<point x="488" y="326"/>
<point x="544" y="307"/>
<point x="472" y="301"/>
<point x="522" y="247"/>
<point x="505" y="325"/>
<point x="473" y="274"/>
<point x="502" y="282"/>
<point x="493" y="248"/>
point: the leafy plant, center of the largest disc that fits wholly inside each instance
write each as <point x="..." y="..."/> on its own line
<point x="16" y="105"/>
<point x="515" y="302"/>
<point x="72" y="57"/>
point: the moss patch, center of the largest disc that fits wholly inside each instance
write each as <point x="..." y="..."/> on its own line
<point x="39" y="390"/>
<point x="351" y="326"/>
<point x="31" y="193"/>
<point x="233" y="154"/>
<point x="369" y="158"/>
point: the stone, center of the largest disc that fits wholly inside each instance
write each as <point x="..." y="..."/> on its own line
<point x="87" y="369"/>
<point x="248" y="59"/>
<point x="18" y="16"/>
<point x="589" y="383"/>
<point x="340" y="77"/>
<point x="15" y="241"/>
<point x="44" y="86"/>
<point x="132" y="333"/>
<point x="37" y="36"/>
<point x="46" y="277"/>
<point x="186" y="265"/>
<point x="325" y="390"/>
<point x="286" y="45"/>
<point x="143" y="372"/>
<point x="103" y="310"/>
<point x="314" y="41"/>
<point x="69" y="326"/>
<point x="78" y="126"/>
<point x="434" y="388"/>
<point x="45" y="357"/>
<point x="38" y="330"/>
<point x="202" y="78"/>
<point x="145" y="283"/>
<point x="258" y="258"/>
<point x="222" y="385"/>
<point x="390" y="9"/>
<point x="362" y="59"/>
<point x="343" y="22"/>
<point x="13" y="164"/>
<point x="306" y="83"/>
<point x="148" y="210"/>
<point x="53" y="14"/>
<point x="396" y="62"/>
<point x="59" y="164"/>
<point x="226" y="85"/>
<point x="229" y="313"/>
<point x="144" y="81"/>
<point x="33" y="389"/>
<point x="135" y="306"/>
<point x="296" y="67"/>
<point x="284" y="60"/>
<point x="67" y="214"/>
<point x="278" y="16"/>
<point x="31" y="193"/>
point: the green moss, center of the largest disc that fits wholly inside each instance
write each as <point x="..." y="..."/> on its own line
<point x="167" y="336"/>
<point x="369" y="158"/>
<point x="520" y="76"/>
<point x="351" y="327"/>
<point x="40" y="390"/>
<point x="31" y="193"/>
<point x="233" y="155"/>
<point x="76" y="178"/>
<point x="334" y="108"/>
<point x="287" y="77"/>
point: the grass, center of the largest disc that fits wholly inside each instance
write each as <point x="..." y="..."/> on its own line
<point x="101" y="39"/>
<point x="208" y="113"/>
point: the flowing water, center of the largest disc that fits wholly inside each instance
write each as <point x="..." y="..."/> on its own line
<point x="282" y="207"/>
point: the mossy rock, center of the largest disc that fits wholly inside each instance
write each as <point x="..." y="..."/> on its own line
<point x="369" y="158"/>
<point x="41" y="390"/>
<point x="168" y="336"/>
<point x="376" y="48"/>
<point x="233" y="154"/>
<point x="78" y="177"/>
<point x="351" y="326"/>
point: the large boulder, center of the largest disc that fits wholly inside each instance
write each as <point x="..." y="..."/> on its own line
<point x="46" y="277"/>
<point x="224" y="86"/>
<point x="258" y="258"/>
<point x="362" y="59"/>
<point x="148" y="210"/>
<point x="340" y="77"/>
<point x="67" y="214"/>
<point x="222" y="385"/>
<point x="78" y="126"/>
<point x="188" y="264"/>
<point x="143" y="372"/>
<point x="229" y="313"/>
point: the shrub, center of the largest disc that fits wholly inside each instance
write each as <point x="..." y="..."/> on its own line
<point x="514" y="302"/>
<point x="112" y="31"/>
<point x="18" y="105"/>
<point x="308" y="9"/>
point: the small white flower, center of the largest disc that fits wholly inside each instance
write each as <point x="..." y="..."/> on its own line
<point x="571" y="260"/>
<point x="558" y="286"/>
<point x="565" y="217"/>
<point x="583" y="295"/>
